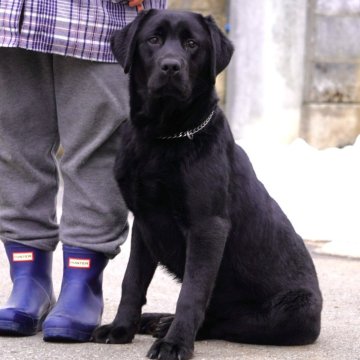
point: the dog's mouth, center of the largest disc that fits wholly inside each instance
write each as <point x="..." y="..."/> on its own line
<point x="169" y="92"/>
<point x="169" y="87"/>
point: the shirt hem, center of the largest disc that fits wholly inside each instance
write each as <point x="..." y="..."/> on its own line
<point x="54" y="52"/>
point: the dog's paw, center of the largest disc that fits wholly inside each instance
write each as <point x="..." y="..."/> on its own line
<point x="155" y="324"/>
<point x="163" y="350"/>
<point x="113" y="334"/>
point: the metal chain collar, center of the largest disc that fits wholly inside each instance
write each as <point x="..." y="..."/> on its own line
<point x="190" y="133"/>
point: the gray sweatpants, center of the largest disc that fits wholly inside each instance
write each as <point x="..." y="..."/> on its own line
<point x="44" y="100"/>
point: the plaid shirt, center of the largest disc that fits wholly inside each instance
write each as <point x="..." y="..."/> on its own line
<point x="78" y="28"/>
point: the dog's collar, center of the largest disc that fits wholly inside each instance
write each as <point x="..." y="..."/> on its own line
<point x="189" y="133"/>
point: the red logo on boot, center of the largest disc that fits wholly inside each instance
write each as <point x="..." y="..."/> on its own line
<point x="79" y="263"/>
<point x="23" y="256"/>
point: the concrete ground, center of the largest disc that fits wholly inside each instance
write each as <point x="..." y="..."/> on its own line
<point x="339" y="339"/>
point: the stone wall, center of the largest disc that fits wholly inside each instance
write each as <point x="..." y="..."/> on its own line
<point x="216" y="8"/>
<point x="331" y="112"/>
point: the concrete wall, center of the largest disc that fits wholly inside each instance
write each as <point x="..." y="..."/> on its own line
<point x="331" y="112"/>
<point x="264" y="93"/>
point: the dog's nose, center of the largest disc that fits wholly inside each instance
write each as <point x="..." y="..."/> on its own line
<point x="170" y="66"/>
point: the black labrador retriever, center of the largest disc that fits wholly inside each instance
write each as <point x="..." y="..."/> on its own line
<point x="199" y="208"/>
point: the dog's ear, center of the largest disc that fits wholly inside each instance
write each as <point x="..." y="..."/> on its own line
<point x="222" y="48"/>
<point x="123" y="42"/>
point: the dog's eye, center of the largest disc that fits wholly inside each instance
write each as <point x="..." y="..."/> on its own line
<point x="154" y="40"/>
<point x="190" y="44"/>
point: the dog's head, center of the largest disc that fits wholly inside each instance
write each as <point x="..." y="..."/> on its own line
<point x="172" y="53"/>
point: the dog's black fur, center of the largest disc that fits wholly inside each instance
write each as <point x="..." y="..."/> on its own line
<point x="199" y="209"/>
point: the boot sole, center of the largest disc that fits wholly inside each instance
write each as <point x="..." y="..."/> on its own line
<point x="65" y="335"/>
<point x="12" y="328"/>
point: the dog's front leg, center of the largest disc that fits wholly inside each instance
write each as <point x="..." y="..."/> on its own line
<point x="139" y="272"/>
<point x="205" y="247"/>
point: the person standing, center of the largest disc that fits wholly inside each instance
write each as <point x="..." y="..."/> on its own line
<point x="59" y="83"/>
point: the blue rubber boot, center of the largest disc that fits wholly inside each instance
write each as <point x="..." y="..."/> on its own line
<point x="80" y="305"/>
<point x="32" y="296"/>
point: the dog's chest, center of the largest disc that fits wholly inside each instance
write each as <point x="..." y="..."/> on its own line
<point x="150" y="184"/>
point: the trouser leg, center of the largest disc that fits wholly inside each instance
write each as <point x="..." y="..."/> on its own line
<point x="28" y="143"/>
<point x="92" y="101"/>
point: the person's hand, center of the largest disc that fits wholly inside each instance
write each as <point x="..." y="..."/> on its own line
<point x="133" y="3"/>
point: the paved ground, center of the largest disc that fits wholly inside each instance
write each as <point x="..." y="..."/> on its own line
<point x="340" y="336"/>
